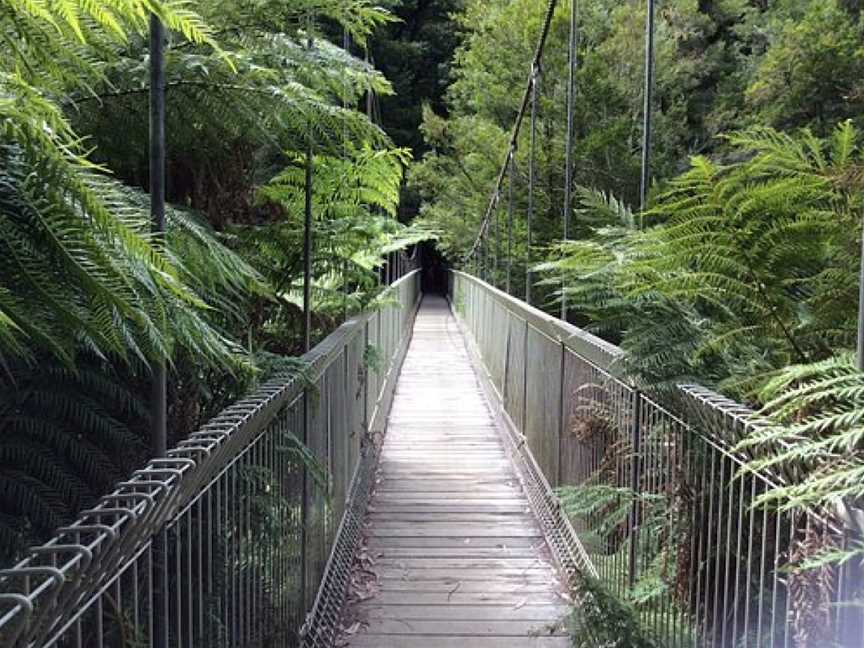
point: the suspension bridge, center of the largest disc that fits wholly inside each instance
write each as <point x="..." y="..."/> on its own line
<point x="430" y="515"/>
<point x="406" y="491"/>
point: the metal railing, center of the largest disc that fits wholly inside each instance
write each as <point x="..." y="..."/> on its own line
<point x="241" y="528"/>
<point x="663" y="508"/>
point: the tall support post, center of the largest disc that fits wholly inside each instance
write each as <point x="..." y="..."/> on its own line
<point x="483" y="253"/>
<point x="495" y="280"/>
<point x="635" y="471"/>
<point x="859" y="356"/>
<point x="510" y="198"/>
<point x="307" y="336"/>
<point x="307" y="247"/>
<point x="568" y="157"/>
<point x="532" y="174"/>
<point x="346" y="45"/>
<point x="159" y="385"/>
<point x="648" y="92"/>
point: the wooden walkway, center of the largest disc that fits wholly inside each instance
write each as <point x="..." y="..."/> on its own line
<point x="457" y="556"/>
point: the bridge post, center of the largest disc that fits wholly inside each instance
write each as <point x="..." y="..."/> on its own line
<point x="497" y="242"/>
<point x="512" y="171"/>
<point x="635" y="469"/>
<point x="646" y="113"/>
<point x="532" y="171"/>
<point x="568" y="155"/>
<point x="159" y="397"/>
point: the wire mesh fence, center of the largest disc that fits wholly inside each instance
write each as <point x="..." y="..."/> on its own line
<point x="658" y="498"/>
<point x="239" y="522"/>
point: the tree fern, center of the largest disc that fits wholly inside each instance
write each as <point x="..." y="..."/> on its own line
<point x="743" y="268"/>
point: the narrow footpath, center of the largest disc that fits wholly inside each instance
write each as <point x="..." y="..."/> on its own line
<point x="457" y="554"/>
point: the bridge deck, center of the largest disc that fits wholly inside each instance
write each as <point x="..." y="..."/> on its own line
<point x="458" y="557"/>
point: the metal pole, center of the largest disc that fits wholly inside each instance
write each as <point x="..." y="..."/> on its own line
<point x="159" y="385"/>
<point x="346" y="45"/>
<point x="635" y="469"/>
<point x="307" y="249"/>
<point x="531" y="178"/>
<point x="307" y="337"/>
<point x="483" y="254"/>
<point x="646" y="111"/>
<point x="859" y="356"/>
<point x="510" y="198"/>
<point x="568" y="158"/>
<point x="497" y="240"/>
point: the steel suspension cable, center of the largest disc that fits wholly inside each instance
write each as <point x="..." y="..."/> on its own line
<point x="307" y="325"/>
<point x="497" y="237"/>
<point x="532" y="177"/>
<point x="517" y="126"/>
<point x="512" y="172"/>
<point x="346" y="88"/>
<point x="159" y="379"/>
<point x="568" y="156"/>
<point x="646" y="111"/>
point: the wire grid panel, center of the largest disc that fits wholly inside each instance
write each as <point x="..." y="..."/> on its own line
<point x="542" y="428"/>
<point x="514" y="373"/>
<point x="205" y="547"/>
<point x="373" y="359"/>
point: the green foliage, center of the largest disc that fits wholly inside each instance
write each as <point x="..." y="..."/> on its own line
<point x="812" y="74"/>
<point x="67" y="436"/>
<point x="721" y="66"/>
<point x="354" y="202"/>
<point x="89" y="298"/>
<point x="602" y="619"/>
<point x="817" y="410"/>
<point x="743" y="268"/>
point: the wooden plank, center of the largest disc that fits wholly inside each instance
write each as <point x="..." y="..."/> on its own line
<point x="449" y="516"/>
<point x="455" y="641"/>
<point x="471" y="628"/>
<point x="463" y="612"/>
<point x="525" y="588"/>
<point x="509" y="599"/>
<point x="453" y="541"/>
<point x="464" y="551"/>
<point x="463" y="563"/>
<point x="456" y="575"/>
<point x="478" y="508"/>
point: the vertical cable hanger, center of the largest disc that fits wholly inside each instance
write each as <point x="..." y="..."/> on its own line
<point x="532" y="178"/>
<point x="307" y="220"/>
<point x="511" y="169"/>
<point x="159" y="384"/>
<point x="346" y="46"/>
<point x="307" y="322"/>
<point x="648" y="92"/>
<point x="495" y="280"/>
<point x="568" y="156"/>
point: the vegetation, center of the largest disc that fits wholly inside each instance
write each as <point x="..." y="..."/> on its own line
<point x="743" y="272"/>
<point x="89" y="298"/>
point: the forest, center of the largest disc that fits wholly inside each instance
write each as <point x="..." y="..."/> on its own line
<point x="741" y="273"/>
<point x="741" y="268"/>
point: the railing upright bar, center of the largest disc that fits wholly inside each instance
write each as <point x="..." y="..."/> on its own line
<point x="510" y="199"/>
<point x="635" y="474"/>
<point x="568" y="155"/>
<point x="532" y="178"/>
